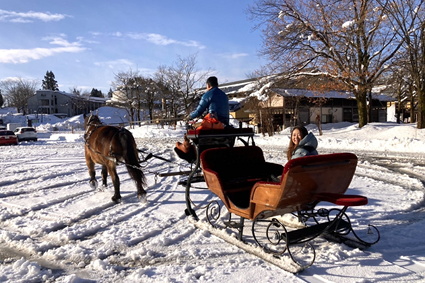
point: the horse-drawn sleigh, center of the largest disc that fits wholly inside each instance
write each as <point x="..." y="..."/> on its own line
<point x="237" y="178"/>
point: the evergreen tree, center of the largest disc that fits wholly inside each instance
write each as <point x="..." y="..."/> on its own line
<point x="49" y="81"/>
<point x="96" y="93"/>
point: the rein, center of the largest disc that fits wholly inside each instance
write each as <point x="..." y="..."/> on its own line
<point x="88" y="134"/>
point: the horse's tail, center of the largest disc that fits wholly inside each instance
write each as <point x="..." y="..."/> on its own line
<point x="131" y="157"/>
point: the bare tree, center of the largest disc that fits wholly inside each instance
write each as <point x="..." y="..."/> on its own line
<point x="318" y="101"/>
<point x="80" y="92"/>
<point x="170" y="91"/>
<point x="348" y="40"/>
<point x="124" y="95"/>
<point x="408" y="20"/>
<point x="188" y="78"/>
<point x="80" y="101"/>
<point x="16" y="92"/>
<point x="400" y="84"/>
<point x="135" y="92"/>
<point x="179" y="83"/>
<point x="148" y="92"/>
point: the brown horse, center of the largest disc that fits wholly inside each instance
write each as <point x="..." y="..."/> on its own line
<point x="109" y="146"/>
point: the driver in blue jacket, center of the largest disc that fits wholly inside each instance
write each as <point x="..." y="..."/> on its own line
<point x="215" y="100"/>
<point x="217" y="103"/>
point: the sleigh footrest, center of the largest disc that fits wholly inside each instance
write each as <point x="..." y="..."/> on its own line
<point x="167" y="174"/>
<point x="233" y="224"/>
<point x="196" y="179"/>
<point x="308" y="233"/>
<point x="341" y="199"/>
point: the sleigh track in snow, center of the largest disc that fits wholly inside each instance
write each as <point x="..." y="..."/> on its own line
<point x="108" y="216"/>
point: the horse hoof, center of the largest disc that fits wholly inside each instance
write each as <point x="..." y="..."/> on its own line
<point x="102" y="188"/>
<point x="143" y="198"/>
<point x="116" y="200"/>
<point x="93" y="184"/>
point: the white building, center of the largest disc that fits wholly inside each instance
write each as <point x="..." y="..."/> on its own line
<point x="62" y="103"/>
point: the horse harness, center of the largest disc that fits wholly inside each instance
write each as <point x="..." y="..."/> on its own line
<point x="87" y="135"/>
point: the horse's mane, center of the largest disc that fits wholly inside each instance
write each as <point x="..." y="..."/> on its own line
<point x="92" y="119"/>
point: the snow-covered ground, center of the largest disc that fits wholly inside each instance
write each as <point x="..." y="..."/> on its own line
<point x="55" y="228"/>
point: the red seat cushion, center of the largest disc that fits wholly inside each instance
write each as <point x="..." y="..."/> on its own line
<point x="340" y="199"/>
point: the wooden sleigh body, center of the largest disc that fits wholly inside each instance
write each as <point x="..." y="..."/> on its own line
<point x="239" y="177"/>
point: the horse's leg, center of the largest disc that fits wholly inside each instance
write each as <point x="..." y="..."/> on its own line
<point x="104" y="175"/>
<point x="133" y="166"/>
<point x="92" y="172"/>
<point x="112" y="170"/>
<point x="138" y="178"/>
<point x="128" y="151"/>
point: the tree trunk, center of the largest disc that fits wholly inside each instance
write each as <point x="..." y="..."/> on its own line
<point x="283" y="115"/>
<point x="139" y="110"/>
<point x="131" y="118"/>
<point x="362" y="107"/>
<point x="370" y="108"/>
<point x="398" y="111"/>
<point x="412" y="105"/>
<point x="421" y="109"/>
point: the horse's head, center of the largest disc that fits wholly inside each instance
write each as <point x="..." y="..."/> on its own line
<point x="91" y="120"/>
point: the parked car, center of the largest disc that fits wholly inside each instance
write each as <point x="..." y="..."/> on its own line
<point x="26" y="134"/>
<point x="8" y="137"/>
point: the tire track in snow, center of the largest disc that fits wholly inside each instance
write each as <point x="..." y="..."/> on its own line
<point x="93" y="232"/>
<point x="387" y="176"/>
<point x="158" y="254"/>
<point x="116" y="210"/>
<point x="59" y="201"/>
<point x="35" y="187"/>
<point x="81" y="218"/>
<point x="49" y="174"/>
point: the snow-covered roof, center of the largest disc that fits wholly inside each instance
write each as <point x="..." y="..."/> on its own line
<point x="309" y="93"/>
<point x="258" y="86"/>
<point x="73" y="95"/>
<point x="327" y="94"/>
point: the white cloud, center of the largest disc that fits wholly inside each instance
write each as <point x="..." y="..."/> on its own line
<point x="11" y="79"/>
<point x="59" y="40"/>
<point x="117" y="34"/>
<point x="28" y="17"/>
<point x="234" y="55"/>
<point x="159" y="39"/>
<point x="17" y="56"/>
<point x="82" y="39"/>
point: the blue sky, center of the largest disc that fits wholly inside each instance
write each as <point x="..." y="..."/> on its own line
<point x="86" y="42"/>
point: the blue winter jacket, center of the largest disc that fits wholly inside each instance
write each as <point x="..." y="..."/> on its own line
<point x="217" y="103"/>
<point x="307" y="146"/>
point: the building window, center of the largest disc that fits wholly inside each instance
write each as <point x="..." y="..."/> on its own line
<point x="44" y="102"/>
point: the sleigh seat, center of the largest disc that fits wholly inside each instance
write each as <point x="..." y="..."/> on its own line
<point x="239" y="177"/>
